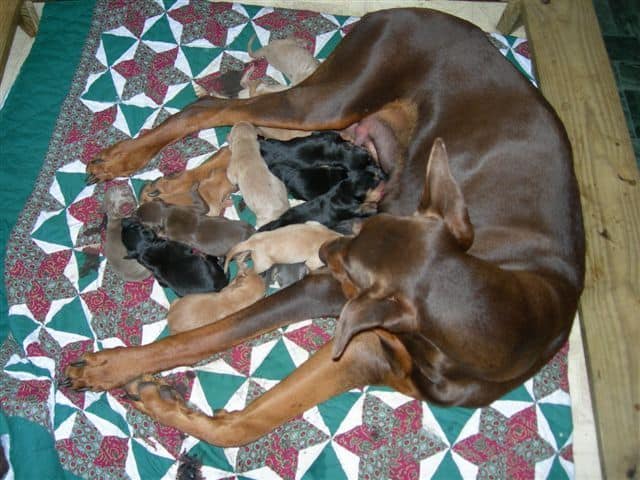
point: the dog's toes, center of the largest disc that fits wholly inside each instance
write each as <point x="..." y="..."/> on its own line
<point x="131" y="396"/>
<point x="65" y="383"/>
<point x="90" y="179"/>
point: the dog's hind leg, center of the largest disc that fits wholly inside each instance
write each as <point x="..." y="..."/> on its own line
<point x="314" y="296"/>
<point x="351" y="84"/>
<point x="315" y="381"/>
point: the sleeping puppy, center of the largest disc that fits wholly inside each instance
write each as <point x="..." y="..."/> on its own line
<point x="356" y="196"/>
<point x="198" y="309"/>
<point x="173" y="264"/>
<point x="262" y="191"/>
<point x="119" y="203"/>
<point x="210" y="235"/>
<point x="290" y="244"/>
<point x="289" y="55"/>
<point x="312" y="165"/>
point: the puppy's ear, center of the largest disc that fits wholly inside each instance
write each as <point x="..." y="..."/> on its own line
<point x="364" y="312"/>
<point x="442" y="196"/>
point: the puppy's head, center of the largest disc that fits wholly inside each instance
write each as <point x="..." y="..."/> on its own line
<point x="242" y="131"/>
<point x="119" y="201"/>
<point x="153" y="214"/>
<point x="391" y="259"/>
<point x="136" y="237"/>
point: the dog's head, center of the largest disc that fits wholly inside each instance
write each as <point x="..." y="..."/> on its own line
<point x="242" y="131"/>
<point x="136" y="238"/>
<point x="388" y="263"/>
<point x="153" y="214"/>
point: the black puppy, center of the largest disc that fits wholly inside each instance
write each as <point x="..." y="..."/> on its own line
<point x="173" y="264"/>
<point x="354" y="197"/>
<point x="311" y="166"/>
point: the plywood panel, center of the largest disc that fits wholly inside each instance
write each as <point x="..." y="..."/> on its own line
<point x="575" y="75"/>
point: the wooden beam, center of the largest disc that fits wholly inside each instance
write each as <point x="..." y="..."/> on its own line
<point x="9" y="15"/>
<point x="576" y="77"/>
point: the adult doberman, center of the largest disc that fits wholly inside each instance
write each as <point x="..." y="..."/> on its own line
<point x="462" y="290"/>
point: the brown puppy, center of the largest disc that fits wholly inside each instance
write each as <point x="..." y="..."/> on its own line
<point x="119" y="203"/>
<point x="290" y="244"/>
<point x="262" y="191"/>
<point x="189" y="225"/>
<point x="213" y="186"/>
<point x="466" y="293"/>
<point x="193" y="311"/>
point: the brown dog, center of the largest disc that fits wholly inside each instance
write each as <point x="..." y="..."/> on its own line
<point x="465" y="292"/>
<point x="289" y="244"/>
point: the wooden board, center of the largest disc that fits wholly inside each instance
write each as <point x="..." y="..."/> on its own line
<point x="575" y="75"/>
<point x="9" y="16"/>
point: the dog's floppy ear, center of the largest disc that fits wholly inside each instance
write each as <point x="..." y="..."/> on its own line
<point x="442" y="196"/>
<point x="364" y="312"/>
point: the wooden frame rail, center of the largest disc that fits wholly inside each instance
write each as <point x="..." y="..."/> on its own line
<point x="575" y="75"/>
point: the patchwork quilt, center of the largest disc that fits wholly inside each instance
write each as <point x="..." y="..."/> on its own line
<point x="111" y="70"/>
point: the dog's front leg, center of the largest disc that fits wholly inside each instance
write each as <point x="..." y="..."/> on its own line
<point x="317" y="295"/>
<point x="315" y="381"/>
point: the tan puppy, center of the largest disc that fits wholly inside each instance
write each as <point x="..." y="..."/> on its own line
<point x="193" y="311"/>
<point x="262" y="191"/>
<point x="119" y="203"/>
<point x="288" y="55"/>
<point x="290" y="244"/>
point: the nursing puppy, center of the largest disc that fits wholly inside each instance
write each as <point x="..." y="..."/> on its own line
<point x="312" y="165"/>
<point x="356" y="196"/>
<point x="262" y="191"/>
<point x="173" y="264"/>
<point x="119" y="203"/>
<point x="196" y="310"/>
<point x="189" y="225"/>
<point x="291" y="244"/>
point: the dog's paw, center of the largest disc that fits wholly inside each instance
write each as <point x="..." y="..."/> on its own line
<point x="96" y="371"/>
<point x="155" y="398"/>
<point x="119" y="160"/>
